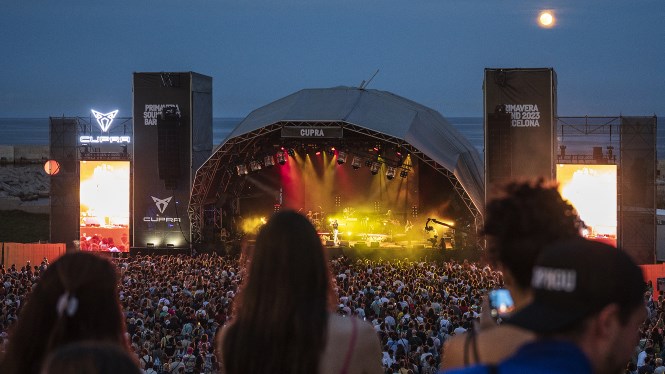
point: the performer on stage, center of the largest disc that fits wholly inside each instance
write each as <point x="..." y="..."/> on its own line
<point x="408" y="226"/>
<point x="335" y="227"/>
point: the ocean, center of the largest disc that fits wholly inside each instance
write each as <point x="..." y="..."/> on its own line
<point x="35" y="131"/>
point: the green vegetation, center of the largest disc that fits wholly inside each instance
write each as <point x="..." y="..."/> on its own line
<point x="21" y="227"/>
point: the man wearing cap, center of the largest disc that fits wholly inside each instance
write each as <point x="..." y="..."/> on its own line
<point x="586" y="312"/>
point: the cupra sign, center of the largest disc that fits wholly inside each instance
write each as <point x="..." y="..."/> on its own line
<point x="104" y="120"/>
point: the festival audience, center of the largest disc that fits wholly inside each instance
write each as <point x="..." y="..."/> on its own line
<point x="171" y="303"/>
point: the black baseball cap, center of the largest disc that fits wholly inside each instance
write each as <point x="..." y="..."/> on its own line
<point x="575" y="278"/>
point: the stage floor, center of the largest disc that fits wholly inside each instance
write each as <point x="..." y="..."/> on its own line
<point x="383" y="250"/>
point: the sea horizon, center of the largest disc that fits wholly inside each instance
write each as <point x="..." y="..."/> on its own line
<point x="35" y="131"/>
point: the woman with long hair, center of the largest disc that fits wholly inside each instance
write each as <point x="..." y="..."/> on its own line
<point x="75" y="300"/>
<point x="284" y="320"/>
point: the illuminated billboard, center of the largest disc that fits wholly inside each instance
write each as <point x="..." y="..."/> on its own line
<point x="104" y="120"/>
<point x="592" y="190"/>
<point x="104" y="206"/>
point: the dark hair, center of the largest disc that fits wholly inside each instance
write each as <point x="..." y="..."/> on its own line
<point x="281" y="311"/>
<point x="88" y="280"/>
<point x="524" y="219"/>
<point x="90" y="358"/>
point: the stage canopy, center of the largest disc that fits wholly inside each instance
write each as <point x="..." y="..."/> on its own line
<point x="380" y="115"/>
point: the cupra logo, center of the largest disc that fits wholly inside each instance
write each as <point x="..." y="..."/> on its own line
<point x="104" y="119"/>
<point x="162" y="203"/>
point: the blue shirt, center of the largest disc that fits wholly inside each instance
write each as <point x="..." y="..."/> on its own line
<point x="542" y="357"/>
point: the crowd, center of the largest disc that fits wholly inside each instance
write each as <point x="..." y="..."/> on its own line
<point x="174" y="305"/>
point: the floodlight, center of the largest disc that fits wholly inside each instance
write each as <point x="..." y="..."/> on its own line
<point x="356" y="163"/>
<point x="390" y="174"/>
<point x="254" y="165"/>
<point x="341" y="157"/>
<point x="374" y="169"/>
<point x="241" y="169"/>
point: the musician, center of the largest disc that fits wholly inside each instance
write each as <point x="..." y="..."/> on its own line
<point x="335" y="227"/>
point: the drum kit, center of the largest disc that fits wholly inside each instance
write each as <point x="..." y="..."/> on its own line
<point x="316" y="218"/>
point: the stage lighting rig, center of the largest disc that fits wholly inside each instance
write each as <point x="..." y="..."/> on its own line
<point x="241" y="169"/>
<point x="281" y="159"/>
<point x="356" y="163"/>
<point x="341" y="157"/>
<point x="374" y="169"/>
<point x="404" y="173"/>
<point x="291" y="152"/>
<point x="390" y="174"/>
<point x="268" y="161"/>
<point x="254" y="165"/>
<point x="368" y="163"/>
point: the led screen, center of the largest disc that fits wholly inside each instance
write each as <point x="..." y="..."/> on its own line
<point x="592" y="190"/>
<point x="104" y="206"/>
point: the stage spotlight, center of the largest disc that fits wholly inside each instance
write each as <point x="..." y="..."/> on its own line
<point x="404" y="173"/>
<point x="150" y="245"/>
<point x="368" y="162"/>
<point x="254" y="165"/>
<point x="355" y="162"/>
<point x="291" y="152"/>
<point x="331" y="151"/>
<point x="241" y="169"/>
<point x="390" y="174"/>
<point x="281" y="159"/>
<point x="170" y="245"/>
<point x="374" y="169"/>
<point x="268" y="161"/>
<point x="341" y="157"/>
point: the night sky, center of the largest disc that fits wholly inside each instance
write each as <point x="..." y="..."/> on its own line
<point x="67" y="56"/>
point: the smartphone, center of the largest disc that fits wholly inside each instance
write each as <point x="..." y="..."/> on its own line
<point x="501" y="303"/>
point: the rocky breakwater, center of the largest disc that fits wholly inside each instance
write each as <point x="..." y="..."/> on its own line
<point x="25" y="188"/>
<point x="24" y="183"/>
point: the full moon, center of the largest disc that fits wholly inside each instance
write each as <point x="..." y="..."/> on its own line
<point x="546" y="18"/>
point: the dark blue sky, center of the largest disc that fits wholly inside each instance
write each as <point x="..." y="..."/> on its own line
<point x="67" y="56"/>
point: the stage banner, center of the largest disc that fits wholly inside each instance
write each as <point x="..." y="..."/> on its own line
<point x="162" y="155"/>
<point x="519" y="123"/>
<point x="312" y="132"/>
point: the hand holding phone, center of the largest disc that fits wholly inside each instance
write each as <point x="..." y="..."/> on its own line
<point x="501" y="303"/>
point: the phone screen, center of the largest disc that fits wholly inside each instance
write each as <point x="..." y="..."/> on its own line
<point x="501" y="303"/>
